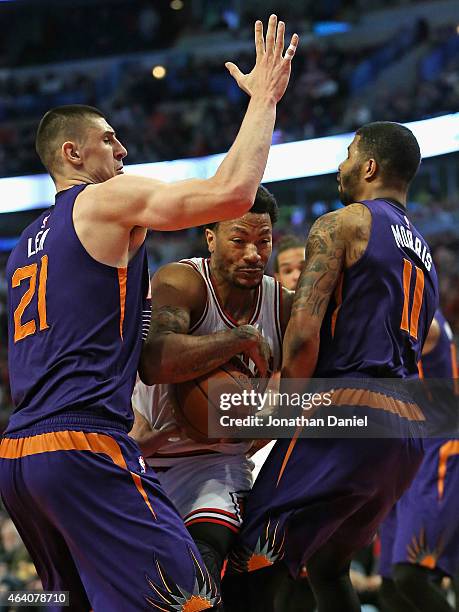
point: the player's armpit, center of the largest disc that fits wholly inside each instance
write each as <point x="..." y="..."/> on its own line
<point x="324" y="263"/>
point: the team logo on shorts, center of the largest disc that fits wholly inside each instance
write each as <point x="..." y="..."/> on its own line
<point x="419" y="553"/>
<point x="143" y="467"/>
<point x="169" y="597"/>
<point x="268" y="549"/>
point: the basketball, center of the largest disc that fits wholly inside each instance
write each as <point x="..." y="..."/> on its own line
<point x="193" y="401"/>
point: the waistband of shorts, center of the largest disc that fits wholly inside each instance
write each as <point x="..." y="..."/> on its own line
<point x="78" y="420"/>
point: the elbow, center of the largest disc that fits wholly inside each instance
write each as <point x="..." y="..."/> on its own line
<point x="302" y="340"/>
<point x="150" y="375"/>
<point x="236" y="199"/>
<point x="241" y="202"/>
<point x="149" y="366"/>
<point x="145" y="376"/>
<point x="153" y="373"/>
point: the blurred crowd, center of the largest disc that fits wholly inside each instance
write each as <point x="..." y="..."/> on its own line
<point x="195" y="107"/>
<point x="37" y="32"/>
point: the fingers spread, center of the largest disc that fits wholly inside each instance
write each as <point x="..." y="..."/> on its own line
<point x="271" y="34"/>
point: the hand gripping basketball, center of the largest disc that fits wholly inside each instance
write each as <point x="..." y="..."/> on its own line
<point x="257" y="348"/>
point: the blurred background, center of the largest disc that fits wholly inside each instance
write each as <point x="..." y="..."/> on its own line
<point x="156" y="69"/>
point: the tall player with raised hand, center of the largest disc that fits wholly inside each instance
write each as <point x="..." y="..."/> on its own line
<point x="95" y="521"/>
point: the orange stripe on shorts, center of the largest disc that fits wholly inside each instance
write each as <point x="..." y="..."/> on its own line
<point x="16" y="448"/>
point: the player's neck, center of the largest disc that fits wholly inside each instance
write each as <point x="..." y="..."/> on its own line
<point x="238" y="303"/>
<point x="65" y="182"/>
<point x="384" y="193"/>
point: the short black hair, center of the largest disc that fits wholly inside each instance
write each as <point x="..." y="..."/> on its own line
<point x="58" y="125"/>
<point x="265" y="202"/>
<point x="289" y="241"/>
<point x="394" y="147"/>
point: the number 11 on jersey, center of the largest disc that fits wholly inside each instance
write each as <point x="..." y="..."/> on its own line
<point x="410" y="323"/>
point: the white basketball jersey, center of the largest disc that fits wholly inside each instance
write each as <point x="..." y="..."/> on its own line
<point x="154" y="402"/>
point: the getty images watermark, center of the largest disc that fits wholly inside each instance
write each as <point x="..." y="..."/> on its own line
<point x="256" y="404"/>
<point x="373" y="408"/>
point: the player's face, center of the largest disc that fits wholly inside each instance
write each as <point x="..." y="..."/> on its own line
<point x="349" y="173"/>
<point x="101" y="152"/>
<point x="241" y="248"/>
<point x="291" y="264"/>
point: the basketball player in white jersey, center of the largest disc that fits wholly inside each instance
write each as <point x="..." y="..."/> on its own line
<point x="205" y="312"/>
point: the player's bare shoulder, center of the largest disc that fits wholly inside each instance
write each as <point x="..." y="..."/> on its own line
<point x="356" y="219"/>
<point x="179" y="276"/>
<point x="177" y="289"/>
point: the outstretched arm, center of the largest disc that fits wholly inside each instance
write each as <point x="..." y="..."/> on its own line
<point x="136" y="201"/>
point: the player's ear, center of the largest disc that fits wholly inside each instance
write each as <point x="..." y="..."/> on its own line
<point x="371" y="169"/>
<point x="210" y="239"/>
<point x="70" y="152"/>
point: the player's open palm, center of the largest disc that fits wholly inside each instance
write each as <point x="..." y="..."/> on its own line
<point x="271" y="73"/>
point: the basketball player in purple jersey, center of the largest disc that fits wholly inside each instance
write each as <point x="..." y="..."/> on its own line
<point x="362" y="309"/>
<point x="94" y="520"/>
<point x="420" y="537"/>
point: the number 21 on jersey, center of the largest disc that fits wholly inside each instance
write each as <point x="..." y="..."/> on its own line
<point x="30" y="273"/>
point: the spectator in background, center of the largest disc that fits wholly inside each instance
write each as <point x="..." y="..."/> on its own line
<point x="289" y="261"/>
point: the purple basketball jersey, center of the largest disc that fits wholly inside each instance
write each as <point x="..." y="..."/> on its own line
<point x="423" y="527"/>
<point x="378" y="319"/>
<point x="440" y="362"/>
<point x="74" y="325"/>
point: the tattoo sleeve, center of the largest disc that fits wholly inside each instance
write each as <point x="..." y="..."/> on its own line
<point x="171" y="355"/>
<point x="169" y="319"/>
<point x="324" y="261"/>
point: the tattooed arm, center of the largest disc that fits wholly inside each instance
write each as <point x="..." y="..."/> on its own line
<point x="287" y="301"/>
<point x="336" y="241"/>
<point x="169" y="354"/>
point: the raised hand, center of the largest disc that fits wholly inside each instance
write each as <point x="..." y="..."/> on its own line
<point x="271" y="73"/>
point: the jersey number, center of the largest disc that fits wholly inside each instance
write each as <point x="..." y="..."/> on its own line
<point x="410" y="323"/>
<point x="22" y="330"/>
